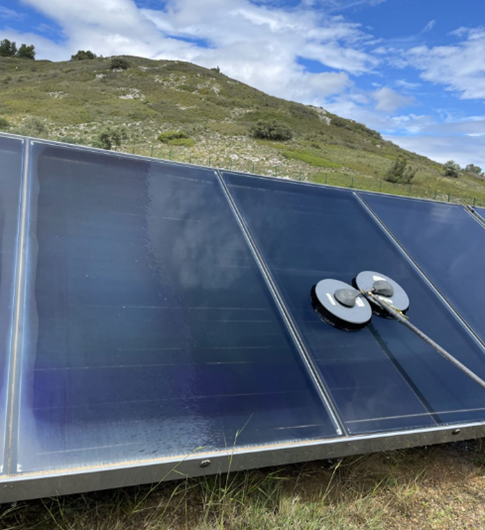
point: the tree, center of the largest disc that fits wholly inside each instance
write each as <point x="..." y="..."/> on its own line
<point x="471" y="168"/>
<point x="400" y="172"/>
<point x="451" y="169"/>
<point x="7" y="48"/>
<point x="26" y="52"/>
<point x="82" y="55"/>
<point x="110" y="136"/>
<point x="119" y="63"/>
<point x="271" y="130"/>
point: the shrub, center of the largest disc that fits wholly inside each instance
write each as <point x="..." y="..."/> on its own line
<point x="71" y="140"/>
<point x="82" y="55"/>
<point x="166" y="137"/>
<point x="109" y="136"/>
<point x="400" y="172"/>
<point x="26" y="52"/>
<point x="7" y="48"/>
<point x="183" y="142"/>
<point x="119" y="63"/>
<point x="33" y="126"/>
<point x="471" y="168"/>
<point x="451" y="169"/>
<point x="271" y="130"/>
<point x="4" y="124"/>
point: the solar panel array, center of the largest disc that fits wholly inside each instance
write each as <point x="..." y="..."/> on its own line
<point x="156" y="319"/>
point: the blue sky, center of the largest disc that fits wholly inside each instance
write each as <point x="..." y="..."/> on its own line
<point x="412" y="69"/>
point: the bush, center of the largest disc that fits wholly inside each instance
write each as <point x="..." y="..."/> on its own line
<point x="471" y="168"/>
<point x="33" y="127"/>
<point x="271" y="130"/>
<point x="119" y="63"/>
<point x="183" y="142"/>
<point x="26" y="52"/>
<point x="166" y="137"/>
<point x="4" y="124"/>
<point x="71" y="140"/>
<point x="400" y="172"/>
<point x="451" y="169"/>
<point x="82" y="55"/>
<point x="7" y="48"/>
<point x="109" y="136"/>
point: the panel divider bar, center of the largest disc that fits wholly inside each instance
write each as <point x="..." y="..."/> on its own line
<point x="17" y="324"/>
<point x="415" y="264"/>
<point x="307" y="358"/>
<point x="478" y="218"/>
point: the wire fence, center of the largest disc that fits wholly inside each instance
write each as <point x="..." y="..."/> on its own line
<point x="342" y="179"/>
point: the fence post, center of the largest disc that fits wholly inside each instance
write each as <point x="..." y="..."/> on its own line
<point x="275" y="171"/>
<point x="474" y="200"/>
<point x="380" y="186"/>
<point x="435" y="194"/>
<point x="133" y="146"/>
<point x="299" y="177"/>
<point x="326" y="177"/>
<point x="151" y="152"/>
<point x="449" y="197"/>
<point x="209" y="162"/>
<point x="409" y="190"/>
<point x="352" y="183"/>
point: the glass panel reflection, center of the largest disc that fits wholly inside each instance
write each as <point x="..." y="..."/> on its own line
<point x="151" y="330"/>
<point x="447" y="243"/>
<point x="383" y="377"/>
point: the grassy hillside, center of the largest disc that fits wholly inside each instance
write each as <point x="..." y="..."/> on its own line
<point x="72" y="100"/>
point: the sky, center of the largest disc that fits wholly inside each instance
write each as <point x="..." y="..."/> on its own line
<point x="412" y="69"/>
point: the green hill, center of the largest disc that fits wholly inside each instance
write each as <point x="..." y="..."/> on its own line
<point x="72" y="100"/>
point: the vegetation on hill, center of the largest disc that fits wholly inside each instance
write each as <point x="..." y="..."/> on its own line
<point x="9" y="49"/>
<point x="228" y="123"/>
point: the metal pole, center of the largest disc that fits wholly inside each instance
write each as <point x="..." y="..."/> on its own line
<point x="404" y="320"/>
<point x="151" y="152"/>
<point x="380" y="185"/>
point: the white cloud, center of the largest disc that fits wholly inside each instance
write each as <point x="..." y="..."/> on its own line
<point x="10" y="14"/>
<point x="257" y="44"/>
<point x="462" y="149"/>
<point x="460" y="67"/>
<point x="388" y="100"/>
<point x="406" y="84"/>
<point x="429" y="26"/>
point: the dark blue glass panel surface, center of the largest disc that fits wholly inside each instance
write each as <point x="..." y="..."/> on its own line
<point x="383" y="377"/>
<point x="152" y="332"/>
<point x="11" y="151"/>
<point x="447" y="243"/>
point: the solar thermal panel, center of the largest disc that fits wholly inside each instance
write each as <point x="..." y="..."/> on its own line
<point x="448" y="244"/>
<point x="382" y="377"/>
<point x="151" y="332"/>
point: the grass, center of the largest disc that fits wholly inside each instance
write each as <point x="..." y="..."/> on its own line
<point x="73" y="99"/>
<point x="428" y="488"/>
